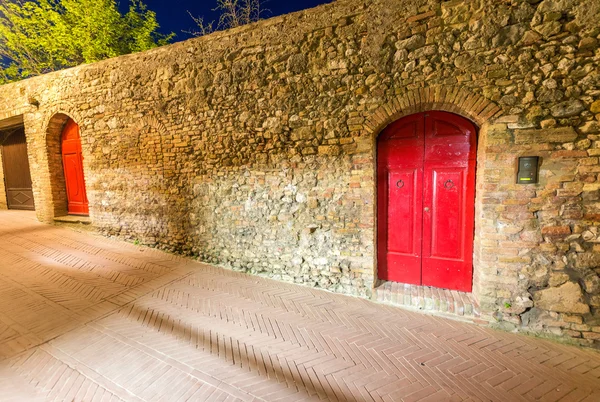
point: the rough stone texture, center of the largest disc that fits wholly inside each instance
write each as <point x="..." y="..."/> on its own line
<point x="567" y="298"/>
<point x="562" y="134"/>
<point x="254" y="148"/>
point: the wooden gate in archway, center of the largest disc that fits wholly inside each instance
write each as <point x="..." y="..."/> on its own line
<point x="15" y="163"/>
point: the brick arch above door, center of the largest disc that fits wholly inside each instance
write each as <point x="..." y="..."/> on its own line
<point x="454" y="99"/>
<point x="56" y="185"/>
<point x="425" y="202"/>
<point x="458" y="100"/>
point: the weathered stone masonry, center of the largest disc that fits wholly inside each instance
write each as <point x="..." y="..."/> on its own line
<point x="254" y="148"/>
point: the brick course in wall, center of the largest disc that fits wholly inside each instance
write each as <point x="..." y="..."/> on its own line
<point x="254" y="148"/>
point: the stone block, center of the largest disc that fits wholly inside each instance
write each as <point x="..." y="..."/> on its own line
<point x="591" y="335"/>
<point x="412" y="43"/>
<point x="567" y="109"/>
<point x="567" y="298"/>
<point x="590" y="127"/>
<point x="556" y="231"/>
<point x="560" y="135"/>
<point x="591" y="187"/>
<point x="331" y="150"/>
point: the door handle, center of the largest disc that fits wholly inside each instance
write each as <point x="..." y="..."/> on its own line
<point x="426" y="209"/>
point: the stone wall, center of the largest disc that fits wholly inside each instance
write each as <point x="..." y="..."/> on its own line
<point x="254" y="148"/>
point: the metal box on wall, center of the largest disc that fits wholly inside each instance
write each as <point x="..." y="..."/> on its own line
<point x="528" y="170"/>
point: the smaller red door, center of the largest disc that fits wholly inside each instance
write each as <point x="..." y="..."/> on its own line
<point x="73" y="168"/>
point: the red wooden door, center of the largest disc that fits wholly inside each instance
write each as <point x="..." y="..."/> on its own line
<point x="426" y="194"/>
<point x="73" y="168"/>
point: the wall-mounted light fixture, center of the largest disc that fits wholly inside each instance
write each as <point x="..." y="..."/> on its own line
<point x="33" y="102"/>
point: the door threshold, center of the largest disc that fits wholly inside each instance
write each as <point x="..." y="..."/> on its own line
<point x="445" y="302"/>
<point x="83" y="219"/>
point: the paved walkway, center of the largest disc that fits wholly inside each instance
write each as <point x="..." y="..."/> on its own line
<point x="83" y="318"/>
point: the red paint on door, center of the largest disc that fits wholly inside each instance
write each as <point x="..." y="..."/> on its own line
<point x="400" y="182"/>
<point x="73" y="168"/>
<point x="426" y="194"/>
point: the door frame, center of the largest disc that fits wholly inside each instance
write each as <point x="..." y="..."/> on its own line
<point x="376" y="207"/>
<point x="56" y="192"/>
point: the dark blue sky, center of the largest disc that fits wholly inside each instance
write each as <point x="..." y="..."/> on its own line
<point x="173" y="17"/>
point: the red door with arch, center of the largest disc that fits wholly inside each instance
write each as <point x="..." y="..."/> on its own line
<point x="426" y="194"/>
<point x="73" y="168"/>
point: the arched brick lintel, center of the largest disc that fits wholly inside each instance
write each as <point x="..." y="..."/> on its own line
<point x="62" y="108"/>
<point x="454" y="99"/>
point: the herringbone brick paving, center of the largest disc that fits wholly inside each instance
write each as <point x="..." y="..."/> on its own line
<point x="84" y="318"/>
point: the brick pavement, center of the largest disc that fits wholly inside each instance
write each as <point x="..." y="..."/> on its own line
<point x="84" y="318"/>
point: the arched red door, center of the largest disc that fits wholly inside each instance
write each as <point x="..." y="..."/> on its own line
<point x="73" y="168"/>
<point x="426" y="194"/>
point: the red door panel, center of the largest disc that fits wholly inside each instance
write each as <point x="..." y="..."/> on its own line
<point x="73" y="169"/>
<point x="427" y="226"/>
<point x="71" y="164"/>
<point x="447" y="230"/>
<point x="449" y="194"/>
<point x="399" y="172"/>
<point x="404" y="225"/>
<point x="442" y="224"/>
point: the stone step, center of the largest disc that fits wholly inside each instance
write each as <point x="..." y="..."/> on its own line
<point x="449" y="303"/>
<point x="84" y="220"/>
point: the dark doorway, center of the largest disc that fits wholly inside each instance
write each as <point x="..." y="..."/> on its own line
<point x="17" y="176"/>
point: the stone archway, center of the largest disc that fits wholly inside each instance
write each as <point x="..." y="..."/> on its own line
<point x="459" y="101"/>
<point x="426" y="195"/>
<point x="57" y="182"/>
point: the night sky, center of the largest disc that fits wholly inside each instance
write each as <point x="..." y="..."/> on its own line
<point x="173" y="17"/>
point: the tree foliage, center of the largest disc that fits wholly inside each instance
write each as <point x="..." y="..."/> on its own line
<point x="39" y="36"/>
<point x="234" y="13"/>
